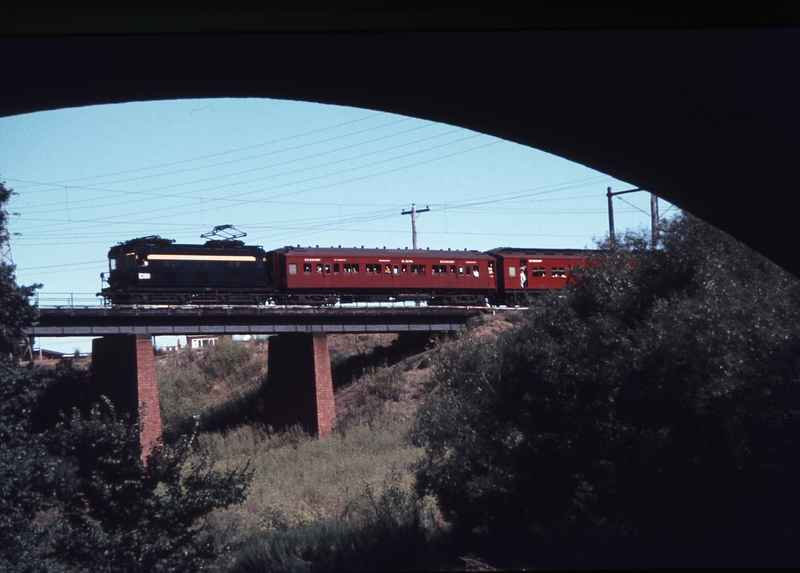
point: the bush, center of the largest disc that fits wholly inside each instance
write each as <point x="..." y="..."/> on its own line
<point x="649" y="418"/>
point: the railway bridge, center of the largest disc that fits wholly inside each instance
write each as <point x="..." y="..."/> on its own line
<point x="299" y="385"/>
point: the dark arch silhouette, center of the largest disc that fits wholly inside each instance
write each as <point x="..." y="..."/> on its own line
<point x="705" y="118"/>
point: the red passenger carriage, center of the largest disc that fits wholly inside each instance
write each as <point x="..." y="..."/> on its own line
<point x="522" y="272"/>
<point x="325" y="275"/>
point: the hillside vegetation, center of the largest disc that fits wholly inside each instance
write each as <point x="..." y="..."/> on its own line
<point x="648" y="416"/>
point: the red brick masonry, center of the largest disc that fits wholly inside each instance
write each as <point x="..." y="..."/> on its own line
<point x="149" y="404"/>
<point x="326" y="407"/>
<point x="300" y="387"/>
<point x="124" y="370"/>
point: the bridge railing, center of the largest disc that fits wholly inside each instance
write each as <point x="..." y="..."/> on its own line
<point x="84" y="300"/>
<point x="67" y="300"/>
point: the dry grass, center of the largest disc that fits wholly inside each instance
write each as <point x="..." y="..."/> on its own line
<point x="192" y="382"/>
<point x="299" y="480"/>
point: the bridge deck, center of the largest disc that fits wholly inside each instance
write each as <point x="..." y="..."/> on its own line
<point x="89" y="321"/>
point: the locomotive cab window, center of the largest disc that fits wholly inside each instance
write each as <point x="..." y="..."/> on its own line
<point x="112" y="264"/>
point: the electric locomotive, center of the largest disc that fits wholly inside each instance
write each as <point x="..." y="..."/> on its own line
<point x="152" y="270"/>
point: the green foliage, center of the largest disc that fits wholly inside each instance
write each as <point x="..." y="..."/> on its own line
<point x="122" y="516"/>
<point x="74" y="494"/>
<point x="16" y="311"/>
<point x="649" y="418"/>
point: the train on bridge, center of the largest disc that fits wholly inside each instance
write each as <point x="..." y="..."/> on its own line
<point x="156" y="271"/>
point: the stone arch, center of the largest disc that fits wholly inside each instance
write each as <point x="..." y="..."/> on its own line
<point x="706" y="118"/>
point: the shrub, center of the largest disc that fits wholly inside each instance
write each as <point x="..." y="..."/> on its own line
<point x="649" y="418"/>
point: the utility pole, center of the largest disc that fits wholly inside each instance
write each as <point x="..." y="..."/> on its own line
<point x="414" y="212"/>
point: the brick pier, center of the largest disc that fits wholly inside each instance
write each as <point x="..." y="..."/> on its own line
<point x="124" y="370"/>
<point x="299" y="385"/>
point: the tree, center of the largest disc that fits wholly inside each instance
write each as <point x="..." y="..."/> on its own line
<point x="74" y="493"/>
<point x="649" y="416"/>
<point x="121" y="516"/>
<point x="16" y="312"/>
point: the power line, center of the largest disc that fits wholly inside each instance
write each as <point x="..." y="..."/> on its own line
<point x="222" y="152"/>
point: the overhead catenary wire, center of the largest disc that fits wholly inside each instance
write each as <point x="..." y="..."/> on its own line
<point x="218" y="154"/>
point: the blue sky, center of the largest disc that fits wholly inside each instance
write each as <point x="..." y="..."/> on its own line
<point x="284" y="172"/>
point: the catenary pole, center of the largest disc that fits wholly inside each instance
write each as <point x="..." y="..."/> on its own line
<point x="654" y="218"/>
<point x="611" y="235"/>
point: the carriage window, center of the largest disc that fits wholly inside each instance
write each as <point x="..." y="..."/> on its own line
<point x="388" y="269"/>
<point x="292" y="268"/>
<point x="319" y="269"/>
<point x="460" y="270"/>
<point x="469" y="270"/>
<point x="512" y="271"/>
<point x="475" y="272"/>
<point x="327" y="269"/>
<point x="491" y="269"/>
<point x="355" y="269"/>
<point x="558" y="271"/>
<point x="422" y="269"/>
<point x="404" y="269"/>
<point x="336" y="268"/>
<point x="538" y="272"/>
<point x="369" y="269"/>
<point x="414" y="270"/>
<point x="307" y="269"/>
<point x="452" y="269"/>
<point x="395" y="269"/>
